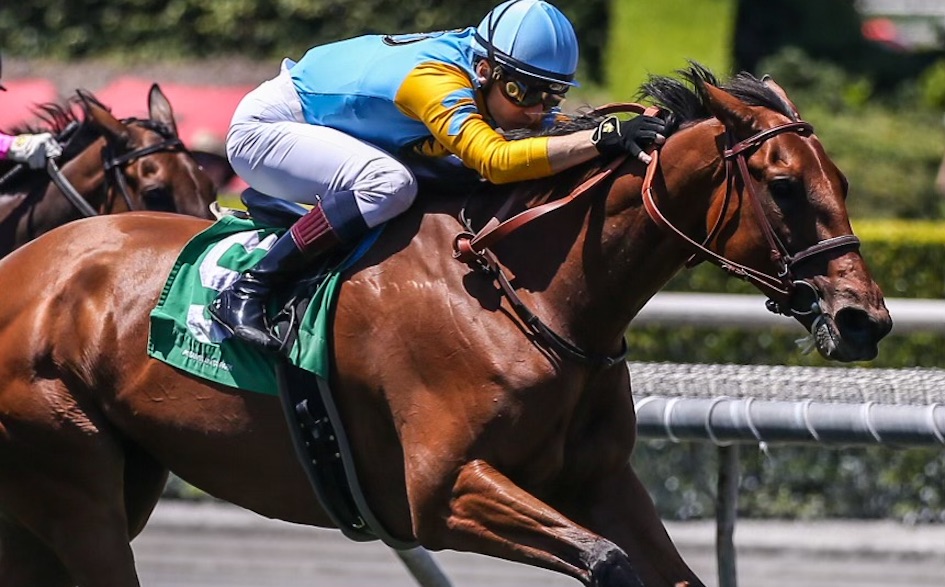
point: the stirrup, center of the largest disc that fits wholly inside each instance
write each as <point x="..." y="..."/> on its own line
<point x="264" y="339"/>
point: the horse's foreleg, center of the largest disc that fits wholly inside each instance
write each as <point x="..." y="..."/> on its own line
<point x="489" y="514"/>
<point x="619" y="507"/>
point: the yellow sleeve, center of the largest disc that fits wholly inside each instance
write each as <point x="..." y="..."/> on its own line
<point x="443" y="98"/>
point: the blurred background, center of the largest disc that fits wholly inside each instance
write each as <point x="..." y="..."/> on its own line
<point x="868" y="74"/>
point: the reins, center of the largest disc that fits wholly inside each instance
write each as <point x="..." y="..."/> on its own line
<point x="56" y="176"/>
<point x="473" y="248"/>
<point x="67" y="189"/>
<point x="467" y="246"/>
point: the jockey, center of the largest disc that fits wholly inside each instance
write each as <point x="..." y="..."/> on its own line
<point x="32" y="149"/>
<point x="328" y="130"/>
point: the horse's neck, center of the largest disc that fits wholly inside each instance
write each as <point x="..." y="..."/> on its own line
<point x="690" y="177"/>
<point x="86" y="173"/>
<point x="587" y="269"/>
<point x="551" y="261"/>
<point x="592" y="266"/>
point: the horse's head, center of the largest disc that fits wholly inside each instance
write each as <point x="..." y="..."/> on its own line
<point x="777" y="215"/>
<point x="147" y="167"/>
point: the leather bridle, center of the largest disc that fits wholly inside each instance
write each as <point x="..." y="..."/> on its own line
<point x="788" y="295"/>
<point x="114" y="165"/>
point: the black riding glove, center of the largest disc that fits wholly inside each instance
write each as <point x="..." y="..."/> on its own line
<point x="614" y="136"/>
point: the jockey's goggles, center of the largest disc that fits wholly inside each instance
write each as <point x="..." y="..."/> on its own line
<point x="527" y="95"/>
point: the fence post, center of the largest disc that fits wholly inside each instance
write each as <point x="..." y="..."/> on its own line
<point x="726" y="511"/>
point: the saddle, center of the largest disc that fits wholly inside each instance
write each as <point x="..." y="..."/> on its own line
<point x="318" y="436"/>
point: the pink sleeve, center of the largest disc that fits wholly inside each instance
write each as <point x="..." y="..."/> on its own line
<point x="5" y="142"/>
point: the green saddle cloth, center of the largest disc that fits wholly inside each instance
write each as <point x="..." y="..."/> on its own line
<point x="183" y="335"/>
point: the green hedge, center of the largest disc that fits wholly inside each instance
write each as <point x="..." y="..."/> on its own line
<point x="799" y="482"/>
<point x="888" y="143"/>
<point x="658" y="37"/>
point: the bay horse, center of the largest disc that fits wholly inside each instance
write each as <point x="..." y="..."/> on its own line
<point x="470" y="428"/>
<point x="109" y="165"/>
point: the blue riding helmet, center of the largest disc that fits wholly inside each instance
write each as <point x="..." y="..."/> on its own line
<point x="531" y="39"/>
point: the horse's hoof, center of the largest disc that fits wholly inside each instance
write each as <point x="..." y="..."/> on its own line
<point x="610" y="567"/>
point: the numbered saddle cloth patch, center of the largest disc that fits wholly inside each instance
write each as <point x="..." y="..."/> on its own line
<point x="183" y="335"/>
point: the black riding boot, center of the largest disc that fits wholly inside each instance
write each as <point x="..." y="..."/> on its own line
<point x="241" y="308"/>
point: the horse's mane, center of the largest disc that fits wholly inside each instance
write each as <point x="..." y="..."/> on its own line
<point x="53" y="117"/>
<point x="56" y="118"/>
<point x="680" y="96"/>
<point x="687" y="103"/>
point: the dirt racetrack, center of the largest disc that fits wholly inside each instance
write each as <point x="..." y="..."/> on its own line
<point x="210" y="545"/>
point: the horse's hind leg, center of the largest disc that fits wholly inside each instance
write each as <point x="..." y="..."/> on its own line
<point x="62" y="481"/>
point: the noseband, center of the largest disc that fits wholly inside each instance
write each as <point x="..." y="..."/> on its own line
<point x="789" y="295"/>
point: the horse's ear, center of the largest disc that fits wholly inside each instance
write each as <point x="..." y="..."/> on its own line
<point x="159" y="108"/>
<point x="769" y="82"/>
<point x="732" y="112"/>
<point x="112" y="128"/>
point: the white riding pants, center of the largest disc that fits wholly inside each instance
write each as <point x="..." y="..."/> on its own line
<point x="275" y="151"/>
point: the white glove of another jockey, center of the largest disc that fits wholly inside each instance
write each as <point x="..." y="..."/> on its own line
<point x="34" y="149"/>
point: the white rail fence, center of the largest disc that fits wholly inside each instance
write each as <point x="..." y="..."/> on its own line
<point x="730" y="405"/>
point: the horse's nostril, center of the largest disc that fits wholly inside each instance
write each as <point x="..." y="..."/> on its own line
<point x="855" y="325"/>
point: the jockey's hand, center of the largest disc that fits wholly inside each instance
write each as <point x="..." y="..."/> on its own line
<point x="614" y="136"/>
<point x="34" y="149"/>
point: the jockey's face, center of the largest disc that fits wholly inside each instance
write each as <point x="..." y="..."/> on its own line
<point x="507" y="114"/>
